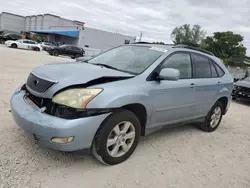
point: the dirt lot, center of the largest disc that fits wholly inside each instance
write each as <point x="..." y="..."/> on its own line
<point x="180" y="157"/>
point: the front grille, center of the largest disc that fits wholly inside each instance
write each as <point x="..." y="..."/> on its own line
<point x="38" y="84"/>
<point x="244" y="89"/>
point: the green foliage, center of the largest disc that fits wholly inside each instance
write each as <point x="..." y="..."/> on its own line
<point x="227" y="46"/>
<point x="39" y="37"/>
<point x="187" y="35"/>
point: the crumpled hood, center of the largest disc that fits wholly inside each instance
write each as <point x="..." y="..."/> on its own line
<point x="243" y="83"/>
<point x="69" y="74"/>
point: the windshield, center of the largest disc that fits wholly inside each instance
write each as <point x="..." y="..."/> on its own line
<point x="132" y="59"/>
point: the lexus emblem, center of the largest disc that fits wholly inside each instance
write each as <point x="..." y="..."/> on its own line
<point x="35" y="82"/>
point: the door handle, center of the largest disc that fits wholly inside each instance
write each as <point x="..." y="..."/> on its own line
<point x="192" y="85"/>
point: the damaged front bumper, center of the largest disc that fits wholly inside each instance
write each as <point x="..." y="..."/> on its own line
<point x="241" y="93"/>
<point x="44" y="127"/>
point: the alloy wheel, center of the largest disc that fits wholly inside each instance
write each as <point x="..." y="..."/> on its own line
<point x="120" y="139"/>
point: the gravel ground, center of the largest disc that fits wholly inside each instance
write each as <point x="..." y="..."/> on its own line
<point x="179" y="157"/>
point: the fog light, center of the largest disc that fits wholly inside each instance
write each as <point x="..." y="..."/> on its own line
<point x="62" y="140"/>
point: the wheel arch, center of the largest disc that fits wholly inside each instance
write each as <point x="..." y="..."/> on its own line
<point x="141" y="113"/>
<point x="224" y="101"/>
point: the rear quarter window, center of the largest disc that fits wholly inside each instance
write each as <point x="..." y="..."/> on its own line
<point x="219" y="70"/>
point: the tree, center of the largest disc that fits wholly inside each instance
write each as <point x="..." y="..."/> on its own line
<point x="227" y="46"/>
<point x="187" y="35"/>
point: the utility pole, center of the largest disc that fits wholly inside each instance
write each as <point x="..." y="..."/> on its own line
<point x="140" y="37"/>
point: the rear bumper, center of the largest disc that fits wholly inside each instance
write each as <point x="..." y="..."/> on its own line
<point x="44" y="127"/>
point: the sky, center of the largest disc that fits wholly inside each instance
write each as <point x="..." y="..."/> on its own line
<point x="154" y="18"/>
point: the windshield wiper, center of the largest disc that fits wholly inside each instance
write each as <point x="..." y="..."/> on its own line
<point x="107" y="66"/>
<point x="110" y="67"/>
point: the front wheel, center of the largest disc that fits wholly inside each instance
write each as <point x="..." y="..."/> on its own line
<point x="117" y="138"/>
<point x="13" y="45"/>
<point x="213" y="118"/>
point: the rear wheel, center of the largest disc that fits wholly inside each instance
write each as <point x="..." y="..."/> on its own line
<point x="117" y="138"/>
<point x="55" y="53"/>
<point x="213" y="118"/>
<point x="37" y="49"/>
<point x="13" y="45"/>
<point x="77" y="56"/>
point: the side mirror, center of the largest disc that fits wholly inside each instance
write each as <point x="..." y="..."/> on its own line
<point x="169" y="74"/>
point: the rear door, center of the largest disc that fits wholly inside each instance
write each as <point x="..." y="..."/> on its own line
<point x="32" y="44"/>
<point x="206" y="84"/>
<point x="69" y="51"/>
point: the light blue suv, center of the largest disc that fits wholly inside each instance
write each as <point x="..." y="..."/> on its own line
<point x="106" y="103"/>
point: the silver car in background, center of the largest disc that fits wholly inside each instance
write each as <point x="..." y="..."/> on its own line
<point x="106" y="103"/>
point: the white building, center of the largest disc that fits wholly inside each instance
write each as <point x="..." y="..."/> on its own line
<point x="63" y="30"/>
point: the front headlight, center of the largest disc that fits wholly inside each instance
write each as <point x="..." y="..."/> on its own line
<point x="76" y="98"/>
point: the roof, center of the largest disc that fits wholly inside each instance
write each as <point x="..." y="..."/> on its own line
<point x="69" y="33"/>
<point x="168" y="46"/>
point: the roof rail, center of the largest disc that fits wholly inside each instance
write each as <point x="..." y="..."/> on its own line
<point x="193" y="48"/>
<point x="153" y="43"/>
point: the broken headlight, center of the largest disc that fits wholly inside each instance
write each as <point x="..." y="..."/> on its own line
<point x="76" y="98"/>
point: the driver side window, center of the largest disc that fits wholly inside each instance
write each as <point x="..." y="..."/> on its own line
<point x="181" y="62"/>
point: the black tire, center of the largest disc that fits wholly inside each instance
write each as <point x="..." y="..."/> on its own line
<point x="37" y="49"/>
<point x="55" y="53"/>
<point x="77" y="56"/>
<point x="206" y="126"/>
<point x="72" y="57"/>
<point x="234" y="98"/>
<point x="13" y="45"/>
<point x="99" y="146"/>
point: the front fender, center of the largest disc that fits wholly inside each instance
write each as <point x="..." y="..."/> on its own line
<point x="117" y="101"/>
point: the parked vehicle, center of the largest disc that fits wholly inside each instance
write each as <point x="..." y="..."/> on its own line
<point x="67" y="50"/>
<point x="242" y="89"/>
<point x="119" y="95"/>
<point x="46" y="45"/>
<point x="9" y="36"/>
<point x="24" y="44"/>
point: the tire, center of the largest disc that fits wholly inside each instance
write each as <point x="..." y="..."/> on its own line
<point x="77" y="56"/>
<point x="208" y="126"/>
<point x="13" y="45"/>
<point x="106" y="131"/>
<point x="234" y="98"/>
<point x="55" y="53"/>
<point x="37" y="49"/>
<point x="72" y="57"/>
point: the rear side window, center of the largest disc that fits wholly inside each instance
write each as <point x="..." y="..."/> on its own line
<point x="201" y="67"/>
<point x="15" y="36"/>
<point x="26" y="41"/>
<point x="219" y="70"/>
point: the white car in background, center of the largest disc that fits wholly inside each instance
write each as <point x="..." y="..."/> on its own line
<point x="46" y="45"/>
<point x="24" y="44"/>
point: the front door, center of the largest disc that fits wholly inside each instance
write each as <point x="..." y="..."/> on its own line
<point x="173" y="100"/>
<point x="24" y="44"/>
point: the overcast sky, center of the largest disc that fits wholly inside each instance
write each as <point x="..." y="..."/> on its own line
<point x="155" y="18"/>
